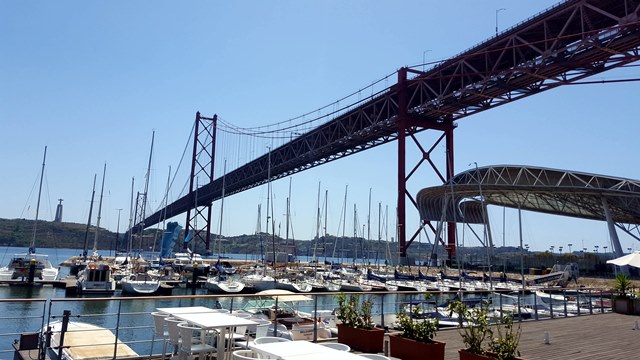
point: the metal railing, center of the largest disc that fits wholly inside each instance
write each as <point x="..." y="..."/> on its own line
<point x="128" y="318"/>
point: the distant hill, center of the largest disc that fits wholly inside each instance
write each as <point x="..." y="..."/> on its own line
<point x="19" y="232"/>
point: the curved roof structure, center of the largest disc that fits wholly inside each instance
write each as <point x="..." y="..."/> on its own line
<point x="552" y="191"/>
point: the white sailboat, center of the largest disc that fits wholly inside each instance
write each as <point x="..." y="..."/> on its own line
<point x="21" y="265"/>
<point x="96" y="276"/>
<point x="140" y="284"/>
<point x="220" y="282"/>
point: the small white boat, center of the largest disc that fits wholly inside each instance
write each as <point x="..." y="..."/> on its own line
<point x="20" y="265"/>
<point x="260" y="282"/>
<point x="96" y="278"/>
<point x="221" y="284"/>
<point x="86" y="341"/>
<point x="140" y="284"/>
<point x="294" y="286"/>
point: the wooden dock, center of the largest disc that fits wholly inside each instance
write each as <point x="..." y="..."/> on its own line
<point x="601" y="336"/>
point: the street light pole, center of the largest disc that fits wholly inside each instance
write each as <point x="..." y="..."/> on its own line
<point x="424" y="58"/>
<point x="497" y="11"/>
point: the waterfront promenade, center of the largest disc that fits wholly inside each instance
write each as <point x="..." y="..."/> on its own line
<point x="602" y="336"/>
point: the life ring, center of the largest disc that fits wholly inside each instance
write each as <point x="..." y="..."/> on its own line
<point x="92" y="266"/>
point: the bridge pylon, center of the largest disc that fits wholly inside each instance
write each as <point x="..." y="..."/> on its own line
<point x="198" y="223"/>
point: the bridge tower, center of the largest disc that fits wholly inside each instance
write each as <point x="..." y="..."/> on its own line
<point x="408" y="126"/>
<point x="198" y="223"/>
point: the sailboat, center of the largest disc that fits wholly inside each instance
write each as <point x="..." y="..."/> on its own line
<point x="96" y="276"/>
<point x="31" y="265"/>
<point x="138" y="281"/>
<point x="221" y="282"/>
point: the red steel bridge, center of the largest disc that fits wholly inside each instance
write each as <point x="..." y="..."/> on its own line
<point x="564" y="44"/>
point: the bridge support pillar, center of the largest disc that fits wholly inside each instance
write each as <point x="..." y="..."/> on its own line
<point x="613" y="235"/>
<point x="202" y="162"/>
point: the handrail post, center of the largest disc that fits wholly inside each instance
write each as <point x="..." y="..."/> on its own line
<point x="535" y="305"/>
<point x="550" y="306"/>
<point x="519" y="309"/>
<point x="315" y="318"/>
<point x="602" y="303"/>
<point x="115" y="345"/>
<point x="63" y="330"/>
<point x="564" y="300"/>
<point x="382" y="310"/>
<point x="590" y="304"/>
<point x="501" y="310"/>
<point x="275" y="320"/>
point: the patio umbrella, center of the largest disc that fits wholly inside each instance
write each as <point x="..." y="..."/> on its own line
<point x="632" y="259"/>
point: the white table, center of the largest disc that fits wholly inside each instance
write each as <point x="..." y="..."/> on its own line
<point x="302" y="350"/>
<point x="185" y="310"/>
<point x="216" y="321"/>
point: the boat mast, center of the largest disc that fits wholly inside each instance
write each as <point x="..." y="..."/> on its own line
<point x="365" y="254"/>
<point x="379" y="233"/>
<point x="344" y="222"/>
<point x="164" y="202"/>
<point x="221" y="208"/>
<point x="130" y="245"/>
<point x="315" y="246"/>
<point x="95" y="240"/>
<point x="324" y="232"/>
<point x="86" y="233"/>
<point x="32" y="247"/>
<point x="273" y="228"/>
<point x="143" y="205"/>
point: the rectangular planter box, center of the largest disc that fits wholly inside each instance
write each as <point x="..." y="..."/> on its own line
<point x="408" y="349"/>
<point x="465" y="355"/>
<point x="365" y="340"/>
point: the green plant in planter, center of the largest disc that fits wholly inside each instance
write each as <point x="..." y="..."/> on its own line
<point x="414" y="326"/>
<point x="505" y="344"/>
<point x="478" y="328"/>
<point x="622" y="286"/>
<point x="354" y="313"/>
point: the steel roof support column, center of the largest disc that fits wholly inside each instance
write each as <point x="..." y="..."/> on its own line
<point x="613" y="234"/>
<point x="402" y="180"/>
<point x="451" y="226"/>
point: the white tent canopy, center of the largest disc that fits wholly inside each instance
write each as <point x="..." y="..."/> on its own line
<point x="285" y="295"/>
<point x="632" y="259"/>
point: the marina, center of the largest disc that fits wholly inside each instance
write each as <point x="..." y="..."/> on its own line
<point x="192" y="277"/>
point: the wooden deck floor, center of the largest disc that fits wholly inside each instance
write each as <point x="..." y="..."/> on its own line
<point x="602" y="336"/>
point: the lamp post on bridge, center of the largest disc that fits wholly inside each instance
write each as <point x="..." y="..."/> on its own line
<point x="498" y="11"/>
<point x="424" y="58"/>
<point x="569" y="248"/>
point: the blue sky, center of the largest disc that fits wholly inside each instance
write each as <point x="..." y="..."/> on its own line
<point x="92" y="80"/>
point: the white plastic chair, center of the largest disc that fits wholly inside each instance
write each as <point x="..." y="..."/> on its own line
<point x="245" y="354"/>
<point x="280" y="331"/>
<point x="259" y="330"/>
<point x="174" y="335"/>
<point x="374" y="356"/>
<point x="191" y="344"/>
<point x="337" y="346"/>
<point x="159" y="331"/>
<point x="269" y="339"/>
